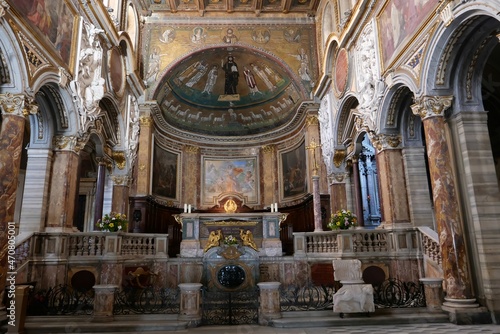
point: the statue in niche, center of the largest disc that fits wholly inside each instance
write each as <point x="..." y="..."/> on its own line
<point x="213" y="240"/>
<point x="247" y="239"/>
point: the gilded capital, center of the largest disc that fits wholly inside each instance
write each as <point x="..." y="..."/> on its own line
<point x="312" y="120"/>
<point x="431" y="106"/>
<point x="268" y="148"/>
<point x="66" y="143"/>
<point x="191" y="149"/>
<point x="12" y="104"/>
<point x="145" y="120"/>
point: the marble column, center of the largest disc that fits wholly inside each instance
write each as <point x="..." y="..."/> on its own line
<point x="145" y="150"/>
<point x="99" y="192"/>
<point x="318" y="225"/>
<point x="391" y="176"/>
<point x="449" y="225"/>
<point x="64" y="185"/>
<point x="120" y="196"/>
<point x="357" y="191"/>
<point x="269" y="302"/>
<point x="189" y="309"/>
<point x="104" y="300"/>
<point x="11" y="146"/>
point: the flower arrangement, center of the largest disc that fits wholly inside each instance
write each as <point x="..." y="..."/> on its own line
<point x="230" y="240"/>
<point x="113" y="222"/>
<point x="342" y="220"/>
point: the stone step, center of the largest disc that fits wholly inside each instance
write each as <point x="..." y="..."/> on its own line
<point x="121" y="323"/>
<point x="303" y="319"/>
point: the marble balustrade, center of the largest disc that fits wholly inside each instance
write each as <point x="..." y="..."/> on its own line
<point x="358" y="243"/>
<point x="90" y="245"/>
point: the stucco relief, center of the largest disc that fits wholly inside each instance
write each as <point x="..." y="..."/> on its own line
<point x="326" y="133"/>
<point x="370" y="85"/>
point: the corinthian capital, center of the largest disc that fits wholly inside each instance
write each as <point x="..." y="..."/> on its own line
<point x="12" y="104"/>
<point x="67" y="143"/>
<point x="386" y="141"/>
<point x="431" y="106"/>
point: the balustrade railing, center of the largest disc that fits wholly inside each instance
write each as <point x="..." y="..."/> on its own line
<point x="430" y="244"/>
<point x="90" y="245"/>
<point x="357" y="242"/>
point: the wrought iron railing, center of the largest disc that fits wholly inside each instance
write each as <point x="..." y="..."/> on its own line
<point x="306" y="298"/>
<point x="230" y="307"/>
<point x="149" y="300"/>
<point x="394" y="293"/>
<point x="60" y="300"/>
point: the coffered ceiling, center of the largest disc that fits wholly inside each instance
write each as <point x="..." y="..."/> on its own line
<point x="255" y="7"/>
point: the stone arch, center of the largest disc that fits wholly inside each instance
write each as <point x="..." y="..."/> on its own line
<point x="454" y="66"/>
<point x="11" y="62"/>
<point x="345" y="120"/>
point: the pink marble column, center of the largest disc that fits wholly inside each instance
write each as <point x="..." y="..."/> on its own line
<point x="64" y="185"/>
<point x="393" y="193"/>
<point x="357" y="192"/>
<point x="318" y="225"/>
<point x="11" y="145"/>
<point x="451" y="235"/>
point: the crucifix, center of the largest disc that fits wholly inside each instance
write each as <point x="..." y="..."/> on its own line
<point x="318" y="225"/>
<point x="313" y="146"/>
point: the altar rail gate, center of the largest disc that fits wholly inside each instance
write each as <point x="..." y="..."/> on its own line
<point x="230" y="308"/>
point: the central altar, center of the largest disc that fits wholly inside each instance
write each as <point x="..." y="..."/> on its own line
<point x="263" y="227"/>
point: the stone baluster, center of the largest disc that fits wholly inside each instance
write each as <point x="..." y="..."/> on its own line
<point x="269" y="302"/>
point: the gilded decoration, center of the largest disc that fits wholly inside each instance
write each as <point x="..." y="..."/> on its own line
<point x="247" y="239"/>
<point x="12" y="104"/>
<point x="230" y="206"/>
<point x="119" y="159"/>
<point x="338" y="157"/>
<point x="213" y="240"/>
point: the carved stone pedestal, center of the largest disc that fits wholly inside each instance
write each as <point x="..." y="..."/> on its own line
<point x="433" y="288"/>
<point x="104" y="300"/>
<point x="269" y="302"/>
<point x="190" y="310"/>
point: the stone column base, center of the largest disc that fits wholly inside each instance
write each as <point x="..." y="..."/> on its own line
<point x="467" y="315"/>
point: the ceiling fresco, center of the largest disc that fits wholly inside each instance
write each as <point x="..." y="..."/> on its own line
<point x="229" y="91"/>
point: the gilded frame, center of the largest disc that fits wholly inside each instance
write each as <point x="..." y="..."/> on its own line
<point x="398" y="24"/>
<point x="57" y="24"/>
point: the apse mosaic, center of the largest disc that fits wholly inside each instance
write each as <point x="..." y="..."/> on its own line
<point x="228" y="91"/>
